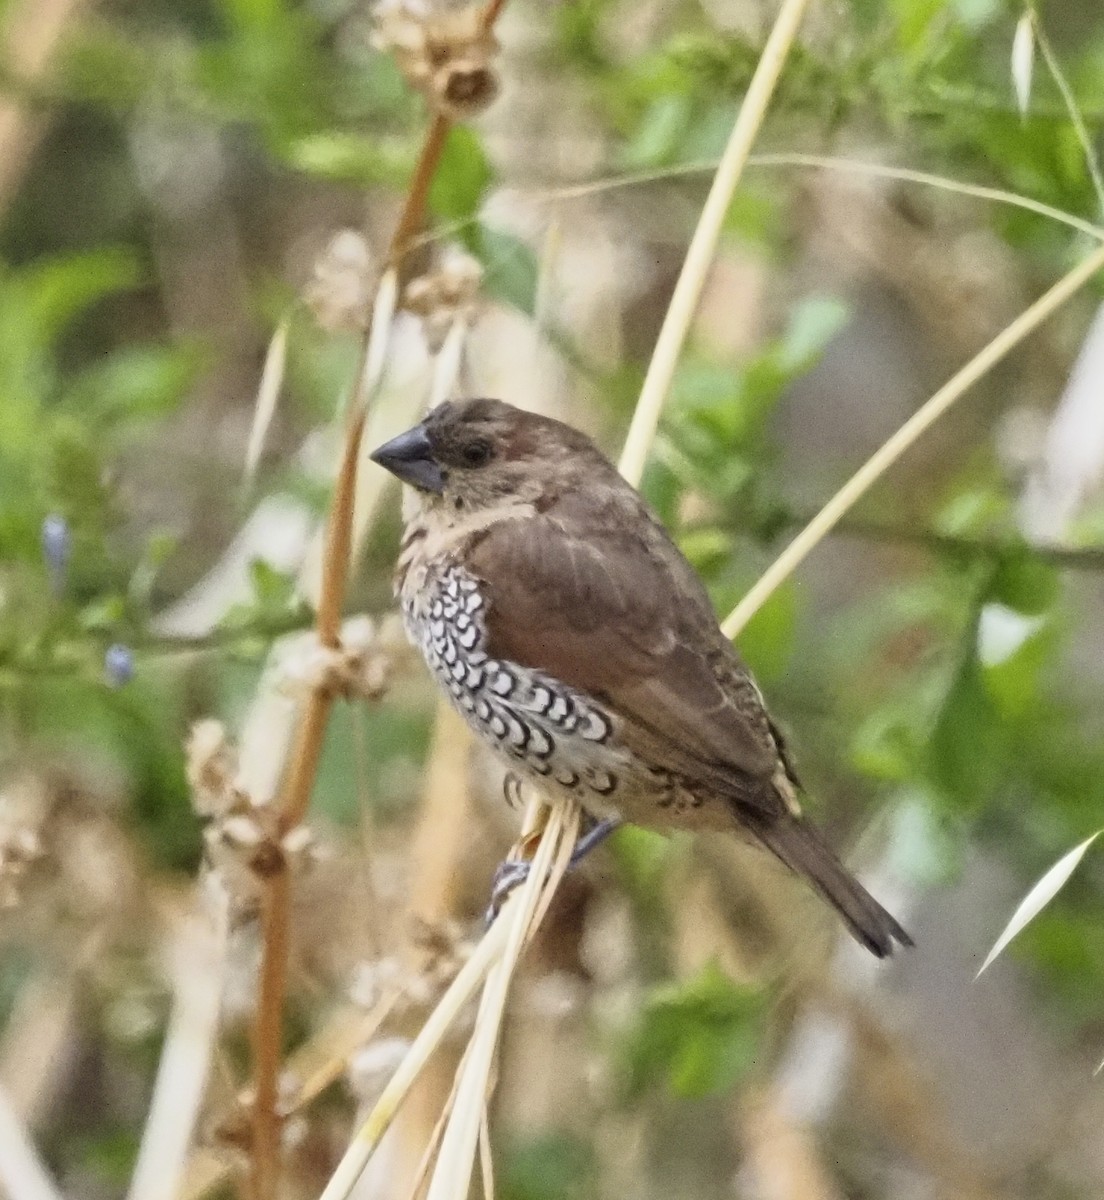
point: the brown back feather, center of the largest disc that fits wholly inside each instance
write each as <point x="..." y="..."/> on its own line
<point x="594" y="593"/>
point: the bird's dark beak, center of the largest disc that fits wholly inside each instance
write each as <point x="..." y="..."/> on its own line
<point x="410" y="457"/>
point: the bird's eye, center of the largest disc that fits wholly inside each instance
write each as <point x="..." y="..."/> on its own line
<point x="476" y="454"/>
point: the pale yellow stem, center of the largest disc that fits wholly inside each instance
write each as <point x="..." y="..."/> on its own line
<point x="887" y="454"/>
<point x="691" y="280"/>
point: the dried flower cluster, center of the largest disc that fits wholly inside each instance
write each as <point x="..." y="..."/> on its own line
<point x="359" y="668"/>
<point x="445" y="294"/>
<point x="446" y="53"/>
<point x="343" y="286"/>
<point x="242" y="840"/>
<point x="20" y="846"/>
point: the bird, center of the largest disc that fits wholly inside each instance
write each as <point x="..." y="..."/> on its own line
<point x="576" y="640"/>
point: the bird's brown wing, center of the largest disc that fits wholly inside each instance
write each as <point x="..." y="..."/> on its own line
<point x="608" y="605"/>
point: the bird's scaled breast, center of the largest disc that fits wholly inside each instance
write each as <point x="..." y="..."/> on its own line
<point x="539" y="724"/>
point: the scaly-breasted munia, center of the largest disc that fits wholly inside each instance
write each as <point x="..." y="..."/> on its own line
<point x="576" y="640"/>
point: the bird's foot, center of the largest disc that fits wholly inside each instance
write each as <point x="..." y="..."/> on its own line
<point x="512" y="872"/>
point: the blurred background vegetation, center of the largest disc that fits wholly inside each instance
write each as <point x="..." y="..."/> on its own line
<point x="170" y="174"/>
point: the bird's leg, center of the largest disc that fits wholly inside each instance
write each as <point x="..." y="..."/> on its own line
<point x="514" y="871"/>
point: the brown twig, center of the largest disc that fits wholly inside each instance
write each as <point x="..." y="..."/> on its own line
<point x="413" y="213"/>
<point x="292" y="806"/>
<point x="299" y="780"/>
<point x="491" y="12"/>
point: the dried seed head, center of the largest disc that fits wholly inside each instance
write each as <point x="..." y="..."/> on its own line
<point x="446" y="53"/>
<point x="465" y="88"/>
<point x="20" y="847"/>
<point x="360" y="667"/>
<point x="343" y="285"/>
<point x="444" y="294"/>
<point x="211" y="764"/>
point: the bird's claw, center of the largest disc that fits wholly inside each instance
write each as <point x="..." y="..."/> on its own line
<point x="512" y="872"/>
<point x="509" y="874"/>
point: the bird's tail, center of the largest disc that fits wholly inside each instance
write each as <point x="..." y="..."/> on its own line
<point x="802" y="848"/>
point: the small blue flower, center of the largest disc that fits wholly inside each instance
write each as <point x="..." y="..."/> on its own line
<point x="118" y="665"/>
<point x="56" y="546"/>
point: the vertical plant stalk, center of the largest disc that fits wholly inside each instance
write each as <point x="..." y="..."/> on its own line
<point x="301" y="774"/>
<point x="23" y="1174"/>
<point x="890" y="451"/>
<point x="199" y="973"/>
<point x="456" y="1158"/>
<point x="413" y="211"/>
<point x="684" y="301"/>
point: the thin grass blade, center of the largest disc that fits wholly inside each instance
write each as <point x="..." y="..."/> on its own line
<point x="1039" y="897"/>
<point x="272" y="380"/>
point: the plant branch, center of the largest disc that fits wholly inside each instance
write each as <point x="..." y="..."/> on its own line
<point x="891" y="450"/>
<point x="1073" y="558"/>
<point x="300" y="777"/>
<point x="413" y="212"/>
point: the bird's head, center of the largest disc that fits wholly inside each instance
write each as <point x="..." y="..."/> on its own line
<point x="471" y="455"/>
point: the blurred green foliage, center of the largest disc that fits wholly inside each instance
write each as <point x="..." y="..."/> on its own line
<point x="697" y="1038"/>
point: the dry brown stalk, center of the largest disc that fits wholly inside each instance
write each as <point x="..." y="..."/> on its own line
<point x="413" y="213"/>
<point x="299" y="780"/>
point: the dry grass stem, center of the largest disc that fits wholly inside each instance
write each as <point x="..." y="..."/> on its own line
<point x="486" y="1159"/>
<point x="925" y="178"/>
<point x="825" y="162"/>
<point x="379" y="338"/>
<point x="446" y="368"/>
<point x="887" y="454"/>
<point x="22" y="1173"/>
<point x="456" y="1159"/>
<point x="684" y="302"/>
<point x="185" y="1058"/>
<point x="272" y="379"/>
<point x="430" y="1036"/>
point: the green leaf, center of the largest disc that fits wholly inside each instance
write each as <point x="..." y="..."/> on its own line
<point x="352" y="157"/>
<point x="273" y="589"/>
<point x="60" y="289"/>
<point x="702" y="1036"/>
<point x="966" y="744"/>
<point x="767" y="639"/>
<point x="135" y="384"/>
<point x="510" y="267"/>
<point x="551" y="1166"/>
<point x="813" y="324"/>
<point x="1013" y="649"/>
<point x="1026" y="583"/>
<point x="461" y="177"/>
<point x="660" y="133"/>
<point x="883" y="746"/>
